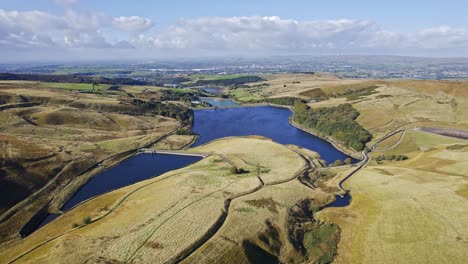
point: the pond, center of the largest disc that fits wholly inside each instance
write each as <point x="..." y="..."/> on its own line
<point x="341" y="201"/>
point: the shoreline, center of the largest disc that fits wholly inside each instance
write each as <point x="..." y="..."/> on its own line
<point x="69" y="188"/>
<point x="336" y="144"/>
<point x="76" y="183"/>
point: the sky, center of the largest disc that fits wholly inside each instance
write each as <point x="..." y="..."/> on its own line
<point x="61" y="30"/>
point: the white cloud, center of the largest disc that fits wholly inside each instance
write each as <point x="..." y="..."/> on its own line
<point x="30" y="21"/>
<point x="441" y="37"/>
<point x="132" y="24"/>
<point x="30" y="29"/>
<point x="272" y="33"/>
<point x="217" y="35"/>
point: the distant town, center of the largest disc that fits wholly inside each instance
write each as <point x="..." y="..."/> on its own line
<point x="360" y="67"/>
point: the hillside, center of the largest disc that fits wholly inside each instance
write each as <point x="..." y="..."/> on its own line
<point x="212" y="207"/>
<point x="54" y="137"/>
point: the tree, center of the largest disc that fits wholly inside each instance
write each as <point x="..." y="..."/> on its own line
<point x="87" y="220"/>
<point x="347" y="161"/>
<point x="95" y="82"/>
<point x="338" y="122"/>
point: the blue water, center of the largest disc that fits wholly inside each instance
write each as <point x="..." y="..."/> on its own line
<point x="341" y="201"/>
<point x="134" y="169"/>
<point x="220" y="102"/>
<point x="213" y="90"/>
<point x="268" y="121"/>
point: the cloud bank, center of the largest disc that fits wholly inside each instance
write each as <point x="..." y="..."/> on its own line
<point x="29" y="30"/>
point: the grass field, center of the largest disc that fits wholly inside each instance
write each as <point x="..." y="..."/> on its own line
<point x="411" y="211"/>
<point x="74" y="86"/>
<point x="248" y="94"/>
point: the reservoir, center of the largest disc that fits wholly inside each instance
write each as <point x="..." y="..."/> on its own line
<point x="209" y="124"/>
<point x="267" y="121"/>
<point x="214" y="90"/>
<point x="219" y="102"/>
<point x="134" y="169"/>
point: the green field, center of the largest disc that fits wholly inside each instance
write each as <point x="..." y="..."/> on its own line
<point x="247" y="94"/>
<point x="74" y="86"/>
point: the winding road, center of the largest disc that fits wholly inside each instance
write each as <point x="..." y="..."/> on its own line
<point x="367" y="158"/>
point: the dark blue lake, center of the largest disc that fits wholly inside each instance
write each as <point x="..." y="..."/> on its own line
<point x="134" y="169"/>
<point x="268" y="121"/>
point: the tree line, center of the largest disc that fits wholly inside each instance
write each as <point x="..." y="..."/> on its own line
<point x="229" y="82"/>
<point x="169" y="95"/>
<point x="70" y="79"/>
<point x="338" y="122"/>
<point x="289" y="101"/>
<point x="179" y="112"/>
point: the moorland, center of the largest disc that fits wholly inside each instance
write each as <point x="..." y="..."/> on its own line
<point x="251" y="198"/>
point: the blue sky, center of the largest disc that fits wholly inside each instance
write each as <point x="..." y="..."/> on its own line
<point x="185" y="28"/>
<point x="396" y="14"/>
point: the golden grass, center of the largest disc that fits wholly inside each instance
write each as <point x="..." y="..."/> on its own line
<point x="246" y="218"/>
<point x="14" y="148"/>
<point x="405" y="104"/>
<point x="155" y="223"/>
<point x="174" y="142"/>
<point x="284" y="85"/>
<point x="39" y="93"/>
<point x="407" y="212"/>
<point x="389" y="142"/>
<point x="350" y="86"/>
<point x="258" y="153"/>
<point x="454" y="88"/>
<point x="75" y="118"/>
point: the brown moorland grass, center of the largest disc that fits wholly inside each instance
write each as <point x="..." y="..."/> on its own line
<point x="47" y="144"/>
<point x="407" y="212"/>
<point x="247" y="219"/>
<point x="175" y="142"/>
<point x="287" y="85"/>
<point x="155" y="214"/>
<point x="405" y="104"/>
